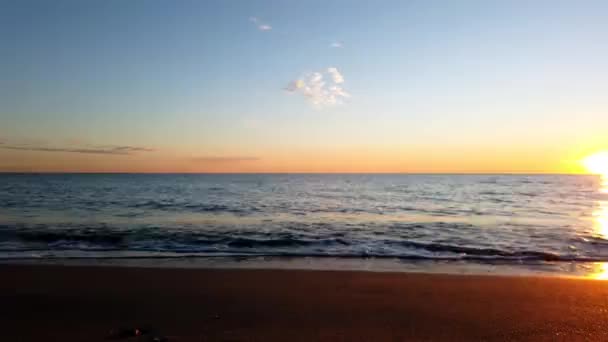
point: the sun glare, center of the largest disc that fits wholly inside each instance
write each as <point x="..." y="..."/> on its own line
<point x="597" y="163"/>
<point x="600" y="271"/>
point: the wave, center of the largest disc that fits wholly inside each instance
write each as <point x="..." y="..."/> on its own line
<point x="260" y="244"/>
<point x="156" y="205"/>
<point x="472" y="251"/>
<point x="197" y="254"/>
<point x="103" y="238"/>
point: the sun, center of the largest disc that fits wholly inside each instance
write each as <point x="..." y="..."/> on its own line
<point x="597" y="163"/>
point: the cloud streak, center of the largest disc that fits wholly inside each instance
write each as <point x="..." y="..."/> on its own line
<point x="262" y="26"/>
<point x="336" y="45"/>
<point x="113" y="150"/>
<point x="228" y="159"/>
<point x="319" y="92"/>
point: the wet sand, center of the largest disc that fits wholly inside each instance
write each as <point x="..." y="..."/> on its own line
<point x="75" y="303"/>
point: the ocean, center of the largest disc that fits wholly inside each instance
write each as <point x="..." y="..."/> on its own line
<point x="545" y="223"/>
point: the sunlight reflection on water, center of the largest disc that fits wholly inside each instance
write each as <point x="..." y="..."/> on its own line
<point x="601" y="214"/>
<point x="600" y="217"/>
<point x="600" y="271"/>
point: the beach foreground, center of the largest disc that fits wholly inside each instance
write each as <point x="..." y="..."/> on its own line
<point x="77" y="303"/>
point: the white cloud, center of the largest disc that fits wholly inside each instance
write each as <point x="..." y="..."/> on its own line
<point x="318" y="92"/>
<point x="335" y="75"/>
<point x="336" y="45"/>
<point x="259" y="24"/>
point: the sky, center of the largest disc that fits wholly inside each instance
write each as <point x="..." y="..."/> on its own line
<point x="302" y="86"/>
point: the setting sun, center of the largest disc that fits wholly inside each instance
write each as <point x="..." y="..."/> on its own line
<point x="597" y="163"/>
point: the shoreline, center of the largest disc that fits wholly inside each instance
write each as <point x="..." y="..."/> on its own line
<point x="82" y="303"/>
<point x="524" y="268"/>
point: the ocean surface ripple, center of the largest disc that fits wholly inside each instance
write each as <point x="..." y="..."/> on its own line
<point x="444" y="217"/>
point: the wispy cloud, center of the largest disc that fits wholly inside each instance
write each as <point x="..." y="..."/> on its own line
<point x="88" y="149"/>
<point x="336" y="45"/>
<point x="317" y="91"/>
<point x="228" y="159"/>
<point x="15" y="168"/>
<point x="251" y="123"/>
<point x="262" y="26"/>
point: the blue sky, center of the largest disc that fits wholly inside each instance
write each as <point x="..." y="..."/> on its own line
<point x="200" y="80"/>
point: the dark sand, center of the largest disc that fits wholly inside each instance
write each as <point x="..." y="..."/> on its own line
<point x="61" y="303"/>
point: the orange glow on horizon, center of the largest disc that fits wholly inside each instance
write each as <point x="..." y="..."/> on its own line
<point x="300" y="159"/>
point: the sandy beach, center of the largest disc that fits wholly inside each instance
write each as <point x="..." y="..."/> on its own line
<point x="76" y="303"/>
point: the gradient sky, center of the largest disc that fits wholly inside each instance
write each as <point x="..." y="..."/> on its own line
<point x="230" y="86"/>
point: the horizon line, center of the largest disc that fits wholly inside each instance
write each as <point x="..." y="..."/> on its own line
<point x="301" y="173"/>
